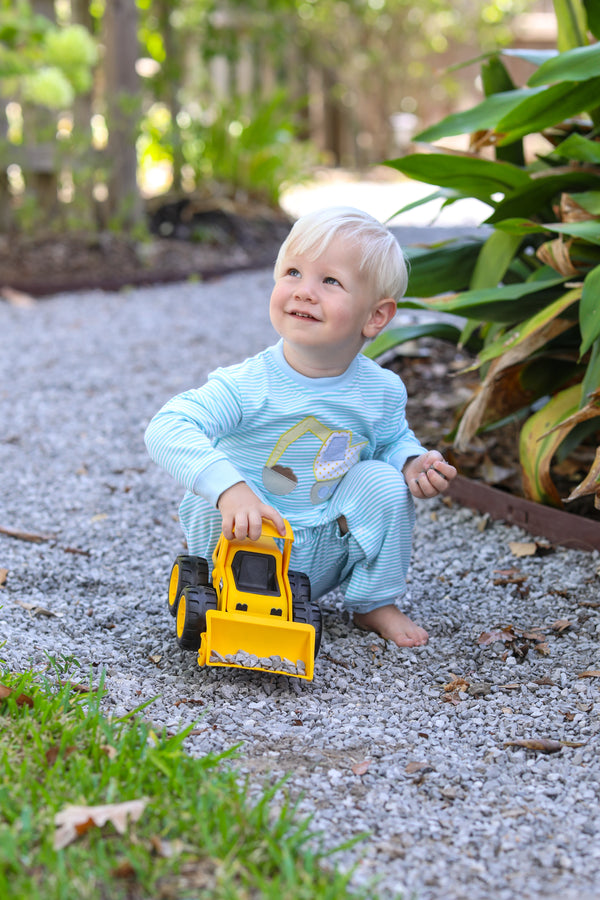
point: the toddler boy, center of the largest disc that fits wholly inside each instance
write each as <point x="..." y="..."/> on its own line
<point x="312" y="430"/>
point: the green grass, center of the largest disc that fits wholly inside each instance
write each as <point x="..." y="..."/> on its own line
<point x="199" y="836"/>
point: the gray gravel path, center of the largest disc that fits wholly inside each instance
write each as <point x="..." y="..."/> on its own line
<point x="375" y="742"/>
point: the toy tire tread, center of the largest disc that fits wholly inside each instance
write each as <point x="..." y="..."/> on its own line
<point x="187" y="570"/>
<point x="303" y="609"/>
<point x="195" y="601"/>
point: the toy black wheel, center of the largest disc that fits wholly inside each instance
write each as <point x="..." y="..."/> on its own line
<point x="303" y="609"/>
<point x="194" y="603"/>
<point x="187" y="570"/>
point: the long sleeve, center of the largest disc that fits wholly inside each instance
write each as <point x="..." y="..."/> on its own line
<point x="183" y="438"/>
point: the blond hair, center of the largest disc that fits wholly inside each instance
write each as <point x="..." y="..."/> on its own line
<point x="379" y="255"/>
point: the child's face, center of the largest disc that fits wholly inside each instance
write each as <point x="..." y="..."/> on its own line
<point x="324" y="308"/>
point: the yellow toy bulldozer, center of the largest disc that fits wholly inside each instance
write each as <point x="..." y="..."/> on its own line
<point x="256" y="614"/>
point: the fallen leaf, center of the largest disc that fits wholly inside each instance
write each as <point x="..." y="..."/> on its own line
<point x="156" y="658"/>
<point x="124" y="870"/>
<point x="543" y="649"/>
<point x="415" y="766"/>
<point x="17" y="298"/>
<point x="73" y="821"/>
<point x="27" y="536"/>
<point x="3" y="577"/>
<point x="36" y="610"/>
<point x="76" y="687"/>
<point x="109" y="751"/>
<point x="523" y="548"/>
<point x="52" y="754"/>
<point x="458" y="683"/>
<point x="361" y="767"/>
<point x="22" y="699"/>
<point x="591" y="673"/>
<point x="561" y="625"/>
<point x="540" y="745"/>
<point x="490" y="637"/>
<point x="166" y="849"/>
<point x="509" y="576"/>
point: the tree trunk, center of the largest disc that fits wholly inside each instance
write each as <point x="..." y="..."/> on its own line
<point x="123" y="107"/>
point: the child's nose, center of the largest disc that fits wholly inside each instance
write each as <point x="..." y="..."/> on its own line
<point x="305" y="290"/>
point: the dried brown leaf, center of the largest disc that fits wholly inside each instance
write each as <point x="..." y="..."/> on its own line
<point x="52" y="754"/>
<point x="22" y="699"/>
<point x="523" y="548"/>
<point x="490" y="637"/>
<point x="416" y="766"/>
<point x="539" y="745"/>
<point x="361" y="767"/>
<point x="561" y="625"/>
<point x="3" y="577"/>
<point x="591" y="482"/>
<point x="74" y="821"/>
<point x="17" y="298"/>
<point x="556" y="254"/>
<point x="509" y="576"/>
<point x="591" y="673"/>
<point x="458" y="683"/>
<point x="36" y="610"/>
<point x="27" y="536"/>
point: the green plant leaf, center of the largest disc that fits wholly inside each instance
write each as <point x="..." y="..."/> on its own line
<point x="538" y="443"/>
<point x="578" y="148"/>
<point x="447" y="267"/>
<point x="467" y="175"/>
<point x="540" y="192"/>
<point x="494" y="259"/>
<point x="589" y="230"/>
<point x="593" y="17"/>
<point x="591" y="379"/>
<point x="547" y="107"/>
<point x="479" y="118"/>
<point x="530" y="54"/>
<point x="578" y="64"/>
<point x="436" y="195"/>
<point x="589" y="200"/>
<point x="507" y="303"/>
<point x="571" y="22"/>
<point x="589" y="310"/>
<point x="524" y="330"/>
<point x="396" y="336"/>
<point x="519" y="226"/>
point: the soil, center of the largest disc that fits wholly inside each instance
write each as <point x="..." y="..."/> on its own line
<point x="190" y="240"/>
<point x="186" y="239"/>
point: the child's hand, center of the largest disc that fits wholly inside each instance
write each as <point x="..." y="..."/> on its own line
<point x="428" y="475"/>
<point x="243" y="512"/>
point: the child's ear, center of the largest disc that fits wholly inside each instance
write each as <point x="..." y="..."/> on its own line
<point x="381" y="315"/>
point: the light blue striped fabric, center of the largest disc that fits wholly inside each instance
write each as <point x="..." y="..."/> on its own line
<point x="314" y="449"/>
<point x="288" y="436"/>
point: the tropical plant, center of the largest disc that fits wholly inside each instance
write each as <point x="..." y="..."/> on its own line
<point x="528" y="287"/>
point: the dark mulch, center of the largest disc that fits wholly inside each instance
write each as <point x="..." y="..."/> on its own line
<point x="186" y="239"/>
<point x="438" y="389"/>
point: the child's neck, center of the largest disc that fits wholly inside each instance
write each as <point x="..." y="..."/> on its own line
<point x="313" y="365"/>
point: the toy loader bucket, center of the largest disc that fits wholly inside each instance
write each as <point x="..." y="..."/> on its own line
<point x="258" y="642"/>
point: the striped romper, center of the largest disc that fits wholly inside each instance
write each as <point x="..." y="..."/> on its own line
<point x="314" y="448"/>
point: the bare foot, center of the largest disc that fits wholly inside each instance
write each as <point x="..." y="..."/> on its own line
<point x="392" y="625"/>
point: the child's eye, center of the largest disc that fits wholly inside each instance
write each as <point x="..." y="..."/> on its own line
<point x="329" y="279"/>
<point x="295" y="273"/>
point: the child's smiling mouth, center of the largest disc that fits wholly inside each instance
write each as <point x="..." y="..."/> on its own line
<point x="303" y="315"/>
